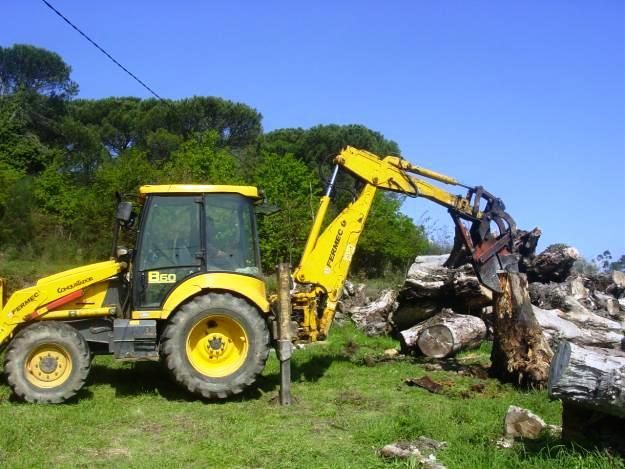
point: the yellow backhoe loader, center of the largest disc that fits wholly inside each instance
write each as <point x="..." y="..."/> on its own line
<point x="191" y="293"/>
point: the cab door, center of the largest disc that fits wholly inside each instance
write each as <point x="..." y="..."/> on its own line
<point x="170" y="247"/>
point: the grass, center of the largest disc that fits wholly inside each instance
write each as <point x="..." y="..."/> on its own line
<point x="22" y="273"/>
<point x="349" y="402"/>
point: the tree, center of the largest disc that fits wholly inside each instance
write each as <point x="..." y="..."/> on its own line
<point x="16" y="225"/>
<point x="390" y="239"/>
<point x="82" y="152"/>
<point x="9" y="176"/>
<point x="292" y="186"/>
<point x="30" y="68"/>
<point x="603" y="261"/>
<point x="201" y="160"/>
<point x="321" y="143"/>
<point x="20" y="147"/>
<point x="619" y="264"/>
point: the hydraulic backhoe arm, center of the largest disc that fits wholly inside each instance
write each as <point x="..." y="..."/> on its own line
<point x="328" y="254"/>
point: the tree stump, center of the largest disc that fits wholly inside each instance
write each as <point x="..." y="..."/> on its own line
<point x="444" y="334"/>
<point x="521" y="353"/>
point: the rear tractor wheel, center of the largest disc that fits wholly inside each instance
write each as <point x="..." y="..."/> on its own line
<point x="216" y="345"/>
<point x="47" y="362"/>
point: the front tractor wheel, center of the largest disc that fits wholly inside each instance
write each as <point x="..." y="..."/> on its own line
<point x="216" y="345"/>
<point x="47" y="362"/>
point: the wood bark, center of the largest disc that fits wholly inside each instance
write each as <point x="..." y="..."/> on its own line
<point x="521" y="354"/>
<point x="588" y="378"/>
<point x="444" y="334"/>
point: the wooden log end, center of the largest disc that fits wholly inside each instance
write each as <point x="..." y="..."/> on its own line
<point x="559" y="363"/>
<point x="436" y="341"/>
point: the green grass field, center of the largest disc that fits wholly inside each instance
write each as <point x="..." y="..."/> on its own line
<point x="349" y="403"/>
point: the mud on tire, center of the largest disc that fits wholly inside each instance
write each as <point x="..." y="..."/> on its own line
<point x="177" y="333"/>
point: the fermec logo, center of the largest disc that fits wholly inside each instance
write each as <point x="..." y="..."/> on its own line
<point x="77" y="283"/>
<point x="28" y="300"/>
<point x="335" y="246"/>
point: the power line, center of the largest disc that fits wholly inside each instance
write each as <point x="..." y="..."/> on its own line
<point x="64" y="18"/>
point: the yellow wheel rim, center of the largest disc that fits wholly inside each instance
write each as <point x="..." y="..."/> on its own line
<point x="217" y="346"/>
<point x="48" y="366"/>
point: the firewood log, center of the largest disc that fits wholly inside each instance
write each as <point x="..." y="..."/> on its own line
<point x="444" y="334"/>
<point x="587" y="377"/>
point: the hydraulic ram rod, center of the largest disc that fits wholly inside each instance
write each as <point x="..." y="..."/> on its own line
<point x="284" y="347"/>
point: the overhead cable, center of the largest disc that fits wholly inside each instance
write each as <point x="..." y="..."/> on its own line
<point x="136" y="78"/>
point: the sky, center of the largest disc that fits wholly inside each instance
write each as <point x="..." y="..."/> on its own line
<point x="524" y="98"/>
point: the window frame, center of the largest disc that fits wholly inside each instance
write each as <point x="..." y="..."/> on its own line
<point x="202" y="200"/>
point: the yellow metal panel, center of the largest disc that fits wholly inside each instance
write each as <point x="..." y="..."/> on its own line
<point x="249" y="287"/>
<point x="247" y="191"/>
<point x="93" y="297"/>
<point x="24" y="302"/>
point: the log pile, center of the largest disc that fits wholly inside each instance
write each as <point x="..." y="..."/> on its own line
<point x="588" y="310"/>
<point x="552" y="326"/>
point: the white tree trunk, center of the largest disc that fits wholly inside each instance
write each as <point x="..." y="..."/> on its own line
<point x="581" y="328"/>
<point x="373" y="318"/>
<point x="444" y="334"/>
<point x="589" y="378"/>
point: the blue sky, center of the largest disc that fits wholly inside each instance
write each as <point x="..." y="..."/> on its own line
<point x="525" y="98"/>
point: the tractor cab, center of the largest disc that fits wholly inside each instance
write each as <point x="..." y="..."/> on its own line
<point x="190" y="230"/>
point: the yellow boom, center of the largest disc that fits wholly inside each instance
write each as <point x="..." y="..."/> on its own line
<point x="327" y="255"/>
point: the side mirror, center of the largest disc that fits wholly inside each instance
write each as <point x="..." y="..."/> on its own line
<point x="124" y="212"/>
<point x="267" y="209"/>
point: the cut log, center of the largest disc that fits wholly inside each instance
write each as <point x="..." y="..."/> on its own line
<point x="428" y="279"/>
<point x="548" y="295"/>
<point x="410" y="313"/>
<point x="430" y="286"/>
<point x="444" y="334"/>
<point x="588" y="378"/>
<point x="427" y="276"/>
<point x="354" y="294"/>
<point x="525" y="243"/>
<point x="521" y="354"/>
<point x="586" y="329"/>
<point x="554" y="264"/>
<point x="373" y="318"/>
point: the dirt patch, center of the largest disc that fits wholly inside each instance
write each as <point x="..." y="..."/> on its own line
<point x="350" y="397"/>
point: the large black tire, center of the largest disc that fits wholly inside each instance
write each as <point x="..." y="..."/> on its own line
<point x="184" y="324"/>
<point x="56" y="352"/>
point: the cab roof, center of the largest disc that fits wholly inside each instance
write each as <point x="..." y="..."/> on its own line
<point x="246" y="191"/>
